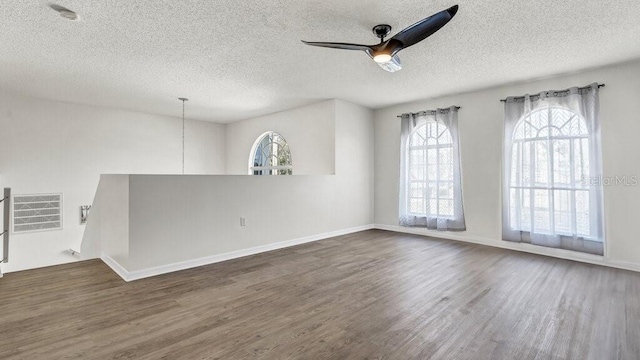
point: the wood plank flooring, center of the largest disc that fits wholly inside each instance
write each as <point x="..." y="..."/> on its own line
<point x="369" y="295"/>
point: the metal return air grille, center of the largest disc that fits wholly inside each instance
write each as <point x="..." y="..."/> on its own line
<point x="37" y="212"/>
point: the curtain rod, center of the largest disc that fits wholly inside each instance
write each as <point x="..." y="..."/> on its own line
<point x="425" y="111"/>
<point x="580" y="88"/>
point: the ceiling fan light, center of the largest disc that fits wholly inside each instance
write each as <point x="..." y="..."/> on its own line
<point x="382" y="58"/>
<point x="392" y="66"/>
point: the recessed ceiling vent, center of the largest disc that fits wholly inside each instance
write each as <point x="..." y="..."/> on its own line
<point x="38" y="212"/>
<point x="64" y="12"/>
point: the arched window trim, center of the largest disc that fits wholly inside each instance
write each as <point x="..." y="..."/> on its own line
<point x="550" y="109"/>
<point x="252" y="155"/>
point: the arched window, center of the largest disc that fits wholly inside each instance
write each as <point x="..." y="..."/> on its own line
<point x="549" y="180"/>
<point x="430" y="181"/>
<point x="431" y="170"/>
<point x="552" y="169"/>
<point x="270" y="155"/>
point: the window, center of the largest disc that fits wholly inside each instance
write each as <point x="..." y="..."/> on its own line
<point x="430" y="193"/>
<point x="550" y="165"/>
<point x="431" y="171"/>
<point x="551" y="160"/>
<point x="270" y="155"/>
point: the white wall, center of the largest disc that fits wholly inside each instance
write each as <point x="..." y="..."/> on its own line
<point x="309" y="131"/>
<point x="49" y="146"/>
<point x="109" y="223"/>
<point x="177" y="219"/>
<point x="355" y="158"/>
<point x="481" y="120"/>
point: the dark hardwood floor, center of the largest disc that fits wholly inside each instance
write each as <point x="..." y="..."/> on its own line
<point x="368" y="295"/>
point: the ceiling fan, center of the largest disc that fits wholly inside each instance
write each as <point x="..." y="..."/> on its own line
<point x="385" y="53"/>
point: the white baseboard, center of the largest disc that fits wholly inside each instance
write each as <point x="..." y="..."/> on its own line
<point x="115" y="266"/>
<point x="183" y="265"/>
<point x="533" y="249"/>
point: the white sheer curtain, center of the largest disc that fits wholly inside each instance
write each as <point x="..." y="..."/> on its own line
<point x="552" y="170"/>
<point x="430" y="181"/>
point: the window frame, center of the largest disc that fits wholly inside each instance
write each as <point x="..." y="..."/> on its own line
<point x="273" y="170"/>
<point x="551" y="185"/>
<point x="428" y="180"/>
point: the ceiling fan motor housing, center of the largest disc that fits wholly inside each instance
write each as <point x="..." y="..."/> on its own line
<point x="382" y="30"/>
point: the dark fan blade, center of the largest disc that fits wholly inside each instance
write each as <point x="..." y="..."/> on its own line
<point x="425" y="28"/>
<point x="343" y="46"/>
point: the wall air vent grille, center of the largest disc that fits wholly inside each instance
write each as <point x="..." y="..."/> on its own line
<point x="40" y="212"/>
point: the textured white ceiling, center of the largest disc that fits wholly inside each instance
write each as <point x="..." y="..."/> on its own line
<point x="236" y="59"/>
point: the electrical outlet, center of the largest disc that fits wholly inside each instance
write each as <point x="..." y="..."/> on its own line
<point x="243" y="221"/>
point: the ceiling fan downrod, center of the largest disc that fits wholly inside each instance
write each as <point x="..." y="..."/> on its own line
<point x="382" y="31"/>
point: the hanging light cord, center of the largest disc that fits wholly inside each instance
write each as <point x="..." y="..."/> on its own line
<point x="182" y="137"/>
<point x="183" y="100"/>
